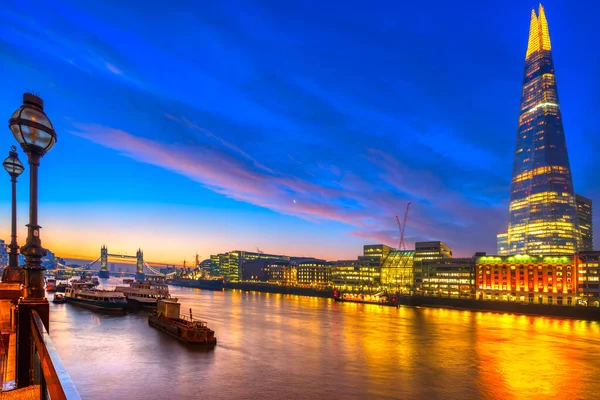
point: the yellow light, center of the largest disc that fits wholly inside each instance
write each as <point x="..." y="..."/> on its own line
<point x="539" y="35"/>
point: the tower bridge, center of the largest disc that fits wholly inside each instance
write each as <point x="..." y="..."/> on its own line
<point x="103" y="271"/>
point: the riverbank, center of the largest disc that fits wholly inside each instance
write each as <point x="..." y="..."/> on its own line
<point x="584" y="313"/>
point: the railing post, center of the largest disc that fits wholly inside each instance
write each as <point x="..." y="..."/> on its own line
<point x="24" y="343"/>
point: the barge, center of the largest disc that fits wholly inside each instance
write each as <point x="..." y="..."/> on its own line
<point x="167" y="318"/>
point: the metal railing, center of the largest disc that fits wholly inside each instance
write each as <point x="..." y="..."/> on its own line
<point x="48" y="371"/>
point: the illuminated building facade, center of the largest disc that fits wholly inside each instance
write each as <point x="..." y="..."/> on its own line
<point x="527" y="279"/>
<point x="502" y="244"/>
<point x="397" y="274"/>
<point x="376" y="250"/>
<point x="230" y="263"/>
<point x="542" y="212"/>
<point x="427" y="251"/>
<point x="588" y="274"/>
<point x="314" y="273"/>
<point x="586" y="226"/>
<point x="280" y="272"/>
<point x="454" y="277"/>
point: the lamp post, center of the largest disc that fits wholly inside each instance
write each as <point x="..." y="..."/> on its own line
<point x="35" y="133"/>
<point x="14" y="167"/>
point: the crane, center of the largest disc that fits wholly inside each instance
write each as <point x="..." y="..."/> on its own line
<point x="402" y="227"/>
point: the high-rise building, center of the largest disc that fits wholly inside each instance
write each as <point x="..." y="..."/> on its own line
<point x="584" y="215"/>
<point x="542" y="212"/>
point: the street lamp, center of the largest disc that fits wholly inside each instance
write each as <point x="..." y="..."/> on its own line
<point x="14" y="167"/>
<point x="35" y="133"/>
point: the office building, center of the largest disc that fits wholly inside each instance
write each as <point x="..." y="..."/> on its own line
<point x="542" y="212"/>
<point x="427" y="251"/>
<point x="588" y="277"/>
<point x="314" y="273"/>
<point x="586" y="226"/>
<point x="397" y="275"/>
<point x="448" y="277"/>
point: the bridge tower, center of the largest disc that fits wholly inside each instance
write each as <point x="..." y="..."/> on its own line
<point x="139" y="275"/>
<point x="103" y="273"/>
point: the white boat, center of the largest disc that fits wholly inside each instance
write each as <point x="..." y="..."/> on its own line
<point x="51" y="285"/>
<point x="144" y="294"/>
<point x="84" y="294"/>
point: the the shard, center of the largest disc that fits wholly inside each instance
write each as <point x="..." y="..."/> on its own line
<point x="542" y="213"/>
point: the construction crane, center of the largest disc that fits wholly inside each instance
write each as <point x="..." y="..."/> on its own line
<point x="402" y="227"/>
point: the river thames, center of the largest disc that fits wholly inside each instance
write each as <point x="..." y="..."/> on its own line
<point x="274" y="346"/>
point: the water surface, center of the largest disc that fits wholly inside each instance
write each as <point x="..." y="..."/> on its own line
<point x="274" y="346"/>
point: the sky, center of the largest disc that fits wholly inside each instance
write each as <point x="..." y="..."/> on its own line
<point x="299" y="128"/>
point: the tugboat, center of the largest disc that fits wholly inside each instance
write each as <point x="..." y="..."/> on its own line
<point x="85" y="295"/>
<point x="189" y="330"/>
<point x="59" y="299"/>
<point x="144" y="294"/>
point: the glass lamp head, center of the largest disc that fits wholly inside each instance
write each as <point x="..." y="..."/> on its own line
<point x="12" y="164"/>
<point x="31" y="126"/>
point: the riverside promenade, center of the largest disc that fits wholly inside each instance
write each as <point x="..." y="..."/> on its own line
<point x="9" y="350"/>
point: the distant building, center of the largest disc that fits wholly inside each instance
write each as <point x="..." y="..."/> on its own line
<point x="502" y="244"/>
<point x="258" y="270"/>
<point x="314" y="273"/>
<point x="230" y="263"/>
<point x="588" y="278"/>
<point x="584" y="215"/>
<point x="397" y="273"/>
<point x="3" y="253"/>
<point x="448" y="277"/>
<point x="527" y="279"/>
<point x="282" y="273"/>
<point x="427" y="251"/>
<point x="48" y="260"/>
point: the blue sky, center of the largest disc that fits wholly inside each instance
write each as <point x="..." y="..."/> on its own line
<point x="296" y="127"/>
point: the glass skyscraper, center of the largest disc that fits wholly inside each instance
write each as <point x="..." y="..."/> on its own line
<point x="542" y="213"/>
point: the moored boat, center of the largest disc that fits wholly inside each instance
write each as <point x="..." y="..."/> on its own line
<point x="167" y="318"/>
<point x="85" y="295"/>
<point x="59" y="299"/>
<point x="51" y="285"/>
<point x="61" y="287"/>
<point x="144" y="294"/>
<point x="210" y="284"/>
<point x="128" y="280"/>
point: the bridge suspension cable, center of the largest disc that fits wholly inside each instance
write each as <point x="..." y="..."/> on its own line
<point x="81" y="268"/>
<point x="157" y="272"/>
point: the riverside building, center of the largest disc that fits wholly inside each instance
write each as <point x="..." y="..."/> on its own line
<point x="527" y="279"/>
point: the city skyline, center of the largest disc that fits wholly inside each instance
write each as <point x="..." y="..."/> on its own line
<point x="223" y="152"/>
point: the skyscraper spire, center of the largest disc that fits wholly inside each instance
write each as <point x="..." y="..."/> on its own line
<point x="539" y="35"/>
<point x="544" y="33"/>
<point x="534" y="36"/>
